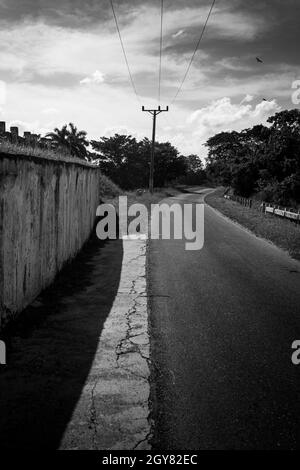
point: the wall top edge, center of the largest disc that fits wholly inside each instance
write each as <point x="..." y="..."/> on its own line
<point x="50" y="158"/>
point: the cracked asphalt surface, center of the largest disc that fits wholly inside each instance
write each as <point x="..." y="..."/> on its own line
<point x="223" y="320"/>
<point x="113" y="410"/>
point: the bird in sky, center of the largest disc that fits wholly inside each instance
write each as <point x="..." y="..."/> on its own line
<point x="259" y="60"/>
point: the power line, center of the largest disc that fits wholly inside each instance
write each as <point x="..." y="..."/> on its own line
<point x="160" y="51"/>
<point x="124" y="52"/>
<point x="194" y="53"/>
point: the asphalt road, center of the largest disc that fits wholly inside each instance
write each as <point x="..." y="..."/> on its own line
<point x="222" y="322"/>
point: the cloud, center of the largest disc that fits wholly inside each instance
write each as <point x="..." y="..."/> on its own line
<point x="223" y="115"/>
<point x="93" y="112"/>
<point x="34" y="126"/>
<point x="179" y="33"/>
<point x="122" y="130"/>
<point x="220" y="115"/>
<point x="247" y="99"/>
<point x="2" y="92"/>
<point x="49" y="111"/>
<point x="229" y="24"/>
<point x="66" y="13"/>
<point x="10" y="60"/>
<point x="54" y="57"/>
<point x="234" y="64"/>
<point x="96" y="77"/>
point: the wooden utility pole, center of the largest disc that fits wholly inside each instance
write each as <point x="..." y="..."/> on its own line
<point x="154" y="113"/>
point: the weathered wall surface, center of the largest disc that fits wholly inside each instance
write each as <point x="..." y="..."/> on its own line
<point x="47" y="212"/>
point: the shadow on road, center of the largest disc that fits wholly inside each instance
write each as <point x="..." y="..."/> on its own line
<point x="52" y="346"/>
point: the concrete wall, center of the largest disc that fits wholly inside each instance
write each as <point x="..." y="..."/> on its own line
<point x="47" y="212"/>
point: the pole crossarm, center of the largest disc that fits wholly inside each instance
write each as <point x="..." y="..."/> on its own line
<point x="154" y="113"/>
<point x="157" y="111"/>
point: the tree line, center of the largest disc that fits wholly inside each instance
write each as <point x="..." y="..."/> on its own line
<point x="262" y="160"/>
<point x="126" y="160"/>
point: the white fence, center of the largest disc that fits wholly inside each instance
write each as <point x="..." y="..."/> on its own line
<point x="283" y="213"/>
<point x="266" y="208"/>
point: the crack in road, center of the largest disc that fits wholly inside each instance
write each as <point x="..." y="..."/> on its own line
<point x="114" y="409"/>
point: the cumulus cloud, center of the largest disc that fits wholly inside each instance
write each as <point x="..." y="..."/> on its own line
<point x="96" y="77"/>
<point x="34" y="127"/>
<point x="220" y="115"/>
<point x="179" y="33"/>
<point x="2" y="92"/>
<point x="50" y="111"/>
<point x="111" y="131"/>
<point x="247" y="99"/>
<point x="223" y="115"/>
<point x="122" y="130"/>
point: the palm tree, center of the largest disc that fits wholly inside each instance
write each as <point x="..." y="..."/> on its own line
<point x="77" y="141"/>
<point x="71" y="140"/>
<point x="59" y="138"/>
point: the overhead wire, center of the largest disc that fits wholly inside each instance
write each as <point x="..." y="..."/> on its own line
<point x="160" y="49"/>
<point x="194" y="53"/>
<point x="124" y="52"/>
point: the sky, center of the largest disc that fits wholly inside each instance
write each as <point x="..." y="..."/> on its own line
<point x="61" y="61"/>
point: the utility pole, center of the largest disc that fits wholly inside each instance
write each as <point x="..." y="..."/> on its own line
<point x="154" y="113"/>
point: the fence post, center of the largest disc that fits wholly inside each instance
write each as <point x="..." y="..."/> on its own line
<point x="27" y="135"/>
<point x="34" y="139"/>
<point x="2" y="127"/>
<point x="14" y="134"/>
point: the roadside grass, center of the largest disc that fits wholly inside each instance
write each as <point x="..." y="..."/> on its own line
<point x="108" y="189"/>
<point x="283" y="233"/>
<point x="145" y="198"/>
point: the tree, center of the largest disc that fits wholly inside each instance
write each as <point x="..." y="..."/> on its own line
<point x="127" y="161"/>
<point x="264" y="159"/>
<point x="224" y="151"/>
<point x="245" y="171"/>
<point x="70" y="140"/>
<point x="287" y="119"/>
<point x="59" y="138"/>
<point x="194" y="163"/>
<point x="195" y="173"/>
<point x="118" y="158"/>
<point x="280" y="170"/>
<point x="78" y="142"/>
<point x="170" y="165"/>
<point x="233" y="158"/>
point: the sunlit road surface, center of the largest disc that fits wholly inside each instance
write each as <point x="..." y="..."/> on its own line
<point x="223" y="320"/>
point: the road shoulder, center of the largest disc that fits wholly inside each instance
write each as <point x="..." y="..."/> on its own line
<point x="113" y="409"/>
